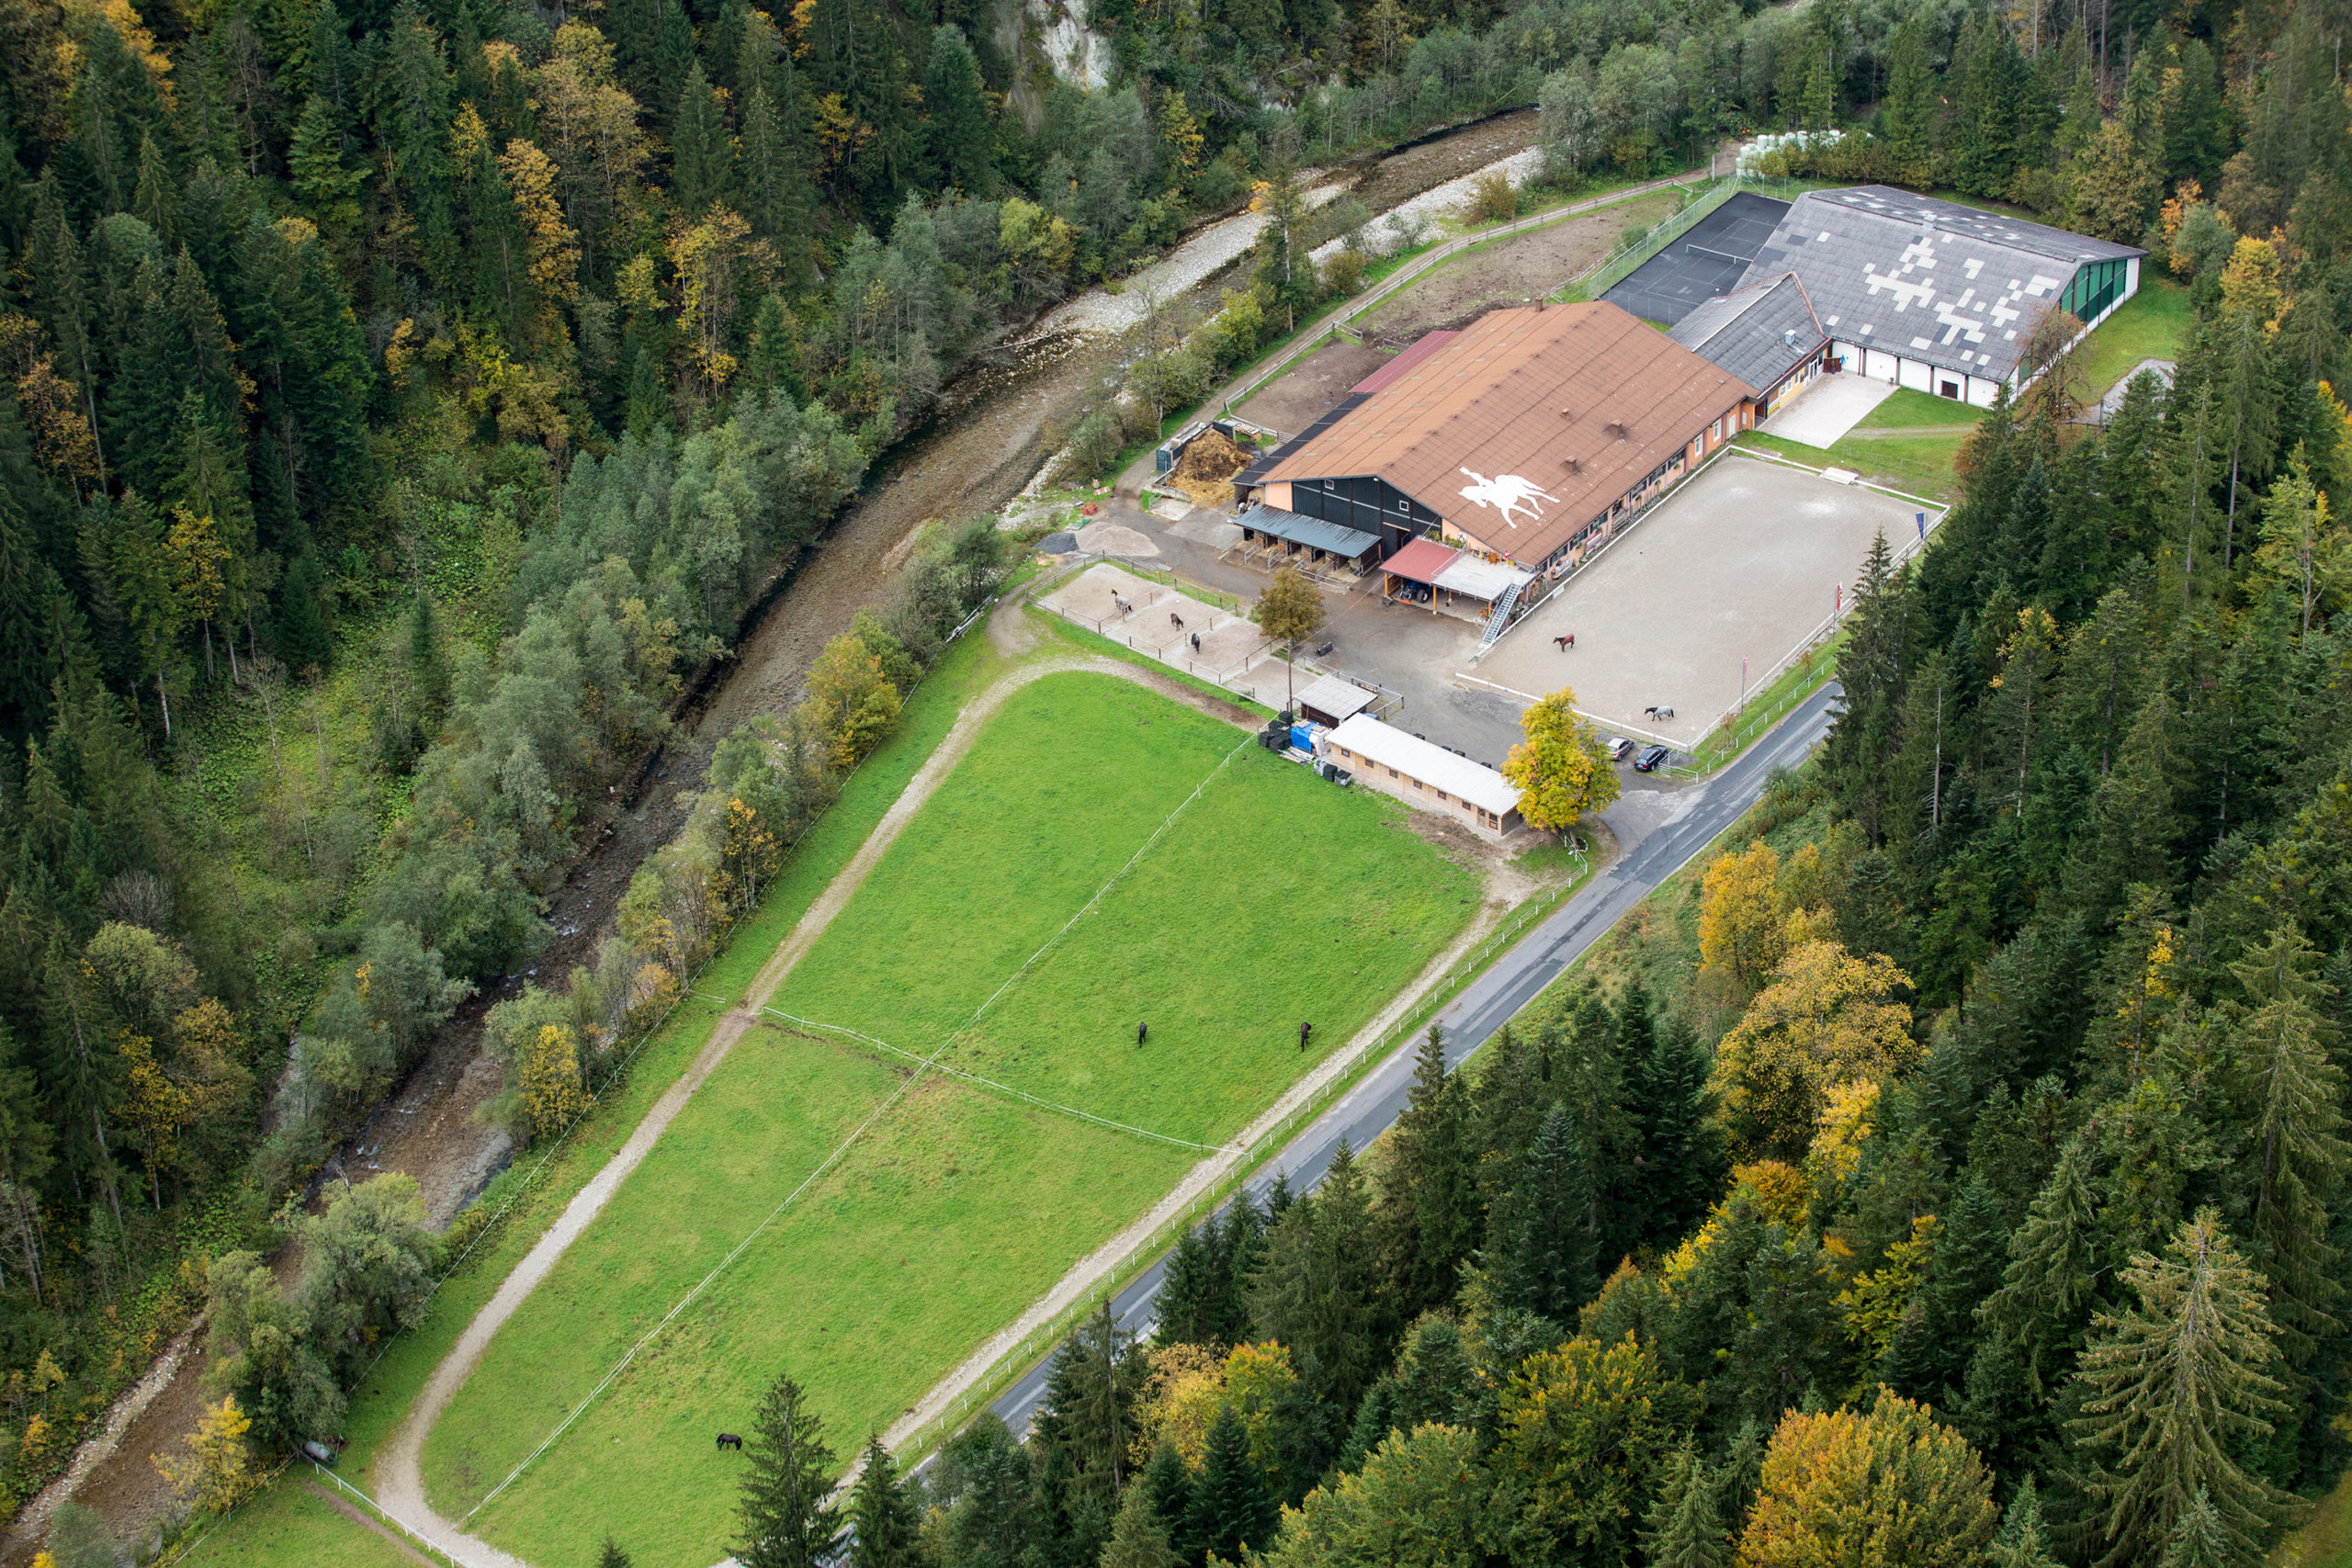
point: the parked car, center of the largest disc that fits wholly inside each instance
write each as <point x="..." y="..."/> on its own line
<point x="1647" y="762"/>
<point x="1621" y="747"/>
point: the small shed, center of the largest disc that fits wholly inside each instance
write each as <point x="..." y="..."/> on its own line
<point x="1332" y="701"/>
<point x="1424" y="775"/>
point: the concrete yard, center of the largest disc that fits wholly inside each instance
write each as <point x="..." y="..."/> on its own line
<point x="1823" y="413"/>
<point x="1743" y="561"/>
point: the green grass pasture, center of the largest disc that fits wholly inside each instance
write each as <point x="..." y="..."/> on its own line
<point x="1272" y="897"/>
<point x="2152" y="324"/>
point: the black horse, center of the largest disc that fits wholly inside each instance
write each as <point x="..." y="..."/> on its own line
<point x="729" y="1441"/>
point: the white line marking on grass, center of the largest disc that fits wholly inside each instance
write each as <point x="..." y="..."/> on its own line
<point x="847" y="1143"/>
<point x="1023" y="1094"/>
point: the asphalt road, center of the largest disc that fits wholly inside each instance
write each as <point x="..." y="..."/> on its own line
<point x="1366" y="1111"/>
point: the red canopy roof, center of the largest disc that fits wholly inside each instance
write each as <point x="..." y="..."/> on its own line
<point x="1421" y="561"/>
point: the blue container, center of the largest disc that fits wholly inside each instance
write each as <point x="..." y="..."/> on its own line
<point x="1303" y="736"/>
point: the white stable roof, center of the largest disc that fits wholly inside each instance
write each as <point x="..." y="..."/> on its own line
<point x="1432" y="764"/>
<point x="1481" y="579"/>
<point x="1341" y="699"/>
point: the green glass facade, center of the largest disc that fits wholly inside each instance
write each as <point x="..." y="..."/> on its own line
<point x="2095" y="287"/>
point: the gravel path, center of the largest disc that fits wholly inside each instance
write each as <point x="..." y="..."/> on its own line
<point x="400" y="1471"/>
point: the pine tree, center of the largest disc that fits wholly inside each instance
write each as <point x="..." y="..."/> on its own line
<point x="959" y="137"/>
<point x="1970" y="1250"/>
<point x="1429" y="1209"/>
<point x="303" y="639"/>
<point x="1986" y="114"/>
<point x="2176" y="1386"/>
<point x="674" y="55"/>
<point x="1192" y="1289"/>
<point x="786" y="1516"/>
<point x="885" y="1523"/>
<point x="702" y="159"/>
<point x="2296" y="1152"/>
<point x="315" y="167"/>
<point x="1232" y="1506"/>
<point x="612" y="1556"/>
<point x="1167" y="1484"/>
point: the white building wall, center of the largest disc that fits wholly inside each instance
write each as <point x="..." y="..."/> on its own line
<point x="1914" y="374"/>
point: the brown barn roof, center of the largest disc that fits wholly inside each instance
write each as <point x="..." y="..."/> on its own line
<point x="1528" y="425"/>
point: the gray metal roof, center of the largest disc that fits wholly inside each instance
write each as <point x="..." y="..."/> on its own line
<point x="1926" y="280"/>
<point x="1759" y="334"/>
<point x="1313" y="532"/>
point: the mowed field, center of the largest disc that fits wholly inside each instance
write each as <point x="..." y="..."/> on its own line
<point x="1270" y="898"/>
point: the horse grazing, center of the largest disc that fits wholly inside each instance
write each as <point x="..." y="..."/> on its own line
<point x="729" y="1441"/>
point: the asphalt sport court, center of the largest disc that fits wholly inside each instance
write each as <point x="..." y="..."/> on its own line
<point x="1743" y="561"/>
<point x="1709" y="260"/>
<point x="958" y="1207"/>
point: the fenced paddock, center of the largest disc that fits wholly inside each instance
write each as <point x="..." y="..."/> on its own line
<point x="1743" y="564"/>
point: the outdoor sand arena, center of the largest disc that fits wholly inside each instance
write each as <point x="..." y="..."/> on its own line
<point x="1743" y="562"/>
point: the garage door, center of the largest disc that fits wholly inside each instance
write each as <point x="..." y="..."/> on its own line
<point x="1879" y="365"/>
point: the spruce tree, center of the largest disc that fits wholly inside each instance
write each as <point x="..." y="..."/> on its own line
<point x="1970" y="1253"/>
<point x="888" y="1527"/>
<point x="2295" y="1152"/>
<point x="702" y="158"/>
<point x="1683" y="1162"/>
<point x="1167" y="1484"/>
<point x="1192" y="1289"/>
<point x="959" y="135"/>
<point x="1318" y="1291"/>
<point x="2200" y="1541"/>
<point x="1540" y="1252"/>
<point x="786" y="1516"/>
<point x="772" y="169"/>
<point x="1139" y="1536"/>
<point x="1909" y="109"/>
<point x="1232" y="1506"/>
<point x="1686" y="1523"/>
<point x="611" y="1556"/>
<point x="1092" y="1390"/>
<point x="2023" y="1541"/>
<point x="1429" y="1209"/>
<point x="2178" y="1387"/>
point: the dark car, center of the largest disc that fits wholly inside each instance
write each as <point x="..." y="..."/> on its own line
<point x="1647" y="762"/>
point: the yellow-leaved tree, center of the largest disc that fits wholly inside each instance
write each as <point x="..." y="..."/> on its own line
<point x="1562" y="769"/>
<point x="1739" y="916"/>
<point x="852" y="702"/>
<point x="1886" y="1489"/>
<point x="552" y="1094"/>
<point x="1828" y="1019"/>
<point x="215" y="1472"/>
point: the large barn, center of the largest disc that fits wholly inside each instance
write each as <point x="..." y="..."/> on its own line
<point x="1531" y="436"/>
<point x="1934" y="296"/>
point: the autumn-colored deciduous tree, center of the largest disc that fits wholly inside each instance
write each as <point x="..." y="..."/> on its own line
<point x="1290" y="611"/>
<point x="1562" y="769"/>
<point x="214" y="1475"/>
<point x="1739" y="916"/>
<point x="851" y="700"/>
<point x="1828" y="1019"/>
<point x="1420" y="1498"/>
<point x="1587" y="1434"/>
<point x="552" y="1094"/>
<point x="1888" y="1488"/>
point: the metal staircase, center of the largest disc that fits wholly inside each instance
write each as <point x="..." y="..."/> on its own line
<point x="1499" y="616"/>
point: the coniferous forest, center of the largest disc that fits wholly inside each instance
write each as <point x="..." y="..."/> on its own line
<point x="409" y="401"/>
